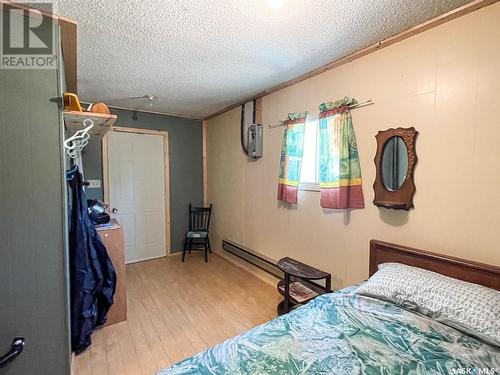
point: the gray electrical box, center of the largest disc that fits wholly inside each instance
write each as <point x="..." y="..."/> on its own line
<point x="254" y="141"/>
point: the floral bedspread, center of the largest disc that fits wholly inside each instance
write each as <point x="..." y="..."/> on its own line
<point x="344" y="333"/>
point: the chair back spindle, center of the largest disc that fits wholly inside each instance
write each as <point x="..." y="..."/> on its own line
<point x="199" y="218"/>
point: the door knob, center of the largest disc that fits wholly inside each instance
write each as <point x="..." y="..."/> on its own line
<point x="16" y="349"/>
<point x="114" y="210"/>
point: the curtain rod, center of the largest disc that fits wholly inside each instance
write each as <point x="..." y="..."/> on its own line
<point x="362" y="104"/>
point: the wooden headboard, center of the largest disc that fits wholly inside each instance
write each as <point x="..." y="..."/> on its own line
<point x="466" y="270"/>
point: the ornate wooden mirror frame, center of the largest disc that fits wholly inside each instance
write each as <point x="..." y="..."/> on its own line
<point x="401" y="198"/>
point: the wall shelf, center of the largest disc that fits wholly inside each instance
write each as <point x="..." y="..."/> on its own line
<point x="102" y="122"/>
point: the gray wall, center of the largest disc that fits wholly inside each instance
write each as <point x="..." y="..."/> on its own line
<point x="186" y="164"/>
<point x="33" y="253"/>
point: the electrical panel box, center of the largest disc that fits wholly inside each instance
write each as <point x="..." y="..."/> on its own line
<point x="255" y="141"/>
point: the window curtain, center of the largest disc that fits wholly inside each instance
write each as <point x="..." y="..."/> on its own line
<point x="292" y="150"/>
<point x="340" y="172"/>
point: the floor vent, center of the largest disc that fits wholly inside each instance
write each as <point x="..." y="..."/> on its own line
<point x="252" y="257"/>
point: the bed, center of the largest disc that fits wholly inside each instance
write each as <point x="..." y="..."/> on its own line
<point x="347" y="333"/>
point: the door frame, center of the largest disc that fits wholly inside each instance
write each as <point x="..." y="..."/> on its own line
<point x="166" y="173"/>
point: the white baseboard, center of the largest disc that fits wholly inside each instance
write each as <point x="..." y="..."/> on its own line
<point x="175" y="253"/>
<point x="145" y="259"/>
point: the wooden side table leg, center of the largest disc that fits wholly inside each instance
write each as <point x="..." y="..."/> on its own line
<point x="328" y="284"/>
<point x="287" y="293"/>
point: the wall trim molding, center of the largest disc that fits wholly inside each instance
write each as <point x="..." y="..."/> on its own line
<point x="205" y="163"/>
<point x="439" y="20"/>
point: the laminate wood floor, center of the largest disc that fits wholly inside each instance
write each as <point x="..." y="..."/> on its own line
<point x="176" y="310"/>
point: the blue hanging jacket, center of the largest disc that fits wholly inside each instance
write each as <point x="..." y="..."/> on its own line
<point x="92" y="276"/>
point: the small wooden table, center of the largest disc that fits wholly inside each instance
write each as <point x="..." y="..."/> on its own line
<point x="112" y="237"/>
<point x="294" y="269"/>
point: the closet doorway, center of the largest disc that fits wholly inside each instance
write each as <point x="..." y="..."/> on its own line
<point x="136" y="187"/>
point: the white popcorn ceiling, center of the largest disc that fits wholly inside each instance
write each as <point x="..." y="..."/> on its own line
<point x="200" y="56"/>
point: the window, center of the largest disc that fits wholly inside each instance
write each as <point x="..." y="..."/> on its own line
<point x="309" y="173"/>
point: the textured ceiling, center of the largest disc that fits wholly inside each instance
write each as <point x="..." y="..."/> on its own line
<point x="200" y="56"/>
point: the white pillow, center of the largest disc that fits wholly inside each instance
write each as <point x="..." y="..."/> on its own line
<point x="469" y="307"/>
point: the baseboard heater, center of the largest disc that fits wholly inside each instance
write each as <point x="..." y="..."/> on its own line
<point x="263" y="262"/>
<point x="252" y="257"/>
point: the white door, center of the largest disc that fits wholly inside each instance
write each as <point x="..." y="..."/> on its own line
<point x="137" y="192"/>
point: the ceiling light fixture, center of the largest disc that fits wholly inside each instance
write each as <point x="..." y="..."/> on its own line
<point x="150" y="97"/>
<point x="276" y="4"/>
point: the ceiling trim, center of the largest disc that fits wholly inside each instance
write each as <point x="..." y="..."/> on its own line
<point x="446" y="17"/>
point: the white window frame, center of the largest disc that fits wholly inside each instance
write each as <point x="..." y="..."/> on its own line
<point x="313" y="185"/>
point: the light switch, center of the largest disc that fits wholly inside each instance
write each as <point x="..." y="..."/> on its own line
<point x="94" y="184"/>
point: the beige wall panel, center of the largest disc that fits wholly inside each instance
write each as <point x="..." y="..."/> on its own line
<point x="446" y="83"/>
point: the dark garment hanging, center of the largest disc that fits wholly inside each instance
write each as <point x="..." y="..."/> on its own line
<point x="92" y="276"/>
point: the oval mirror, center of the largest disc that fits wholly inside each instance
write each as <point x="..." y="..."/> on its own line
<point x="394" y="163"/>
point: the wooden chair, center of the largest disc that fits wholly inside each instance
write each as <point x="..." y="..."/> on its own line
<point x="199" y="223"/>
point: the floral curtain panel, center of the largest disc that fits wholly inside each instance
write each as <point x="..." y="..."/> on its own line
<point x="340" y="172"/>
<point x="292" y="151"/>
